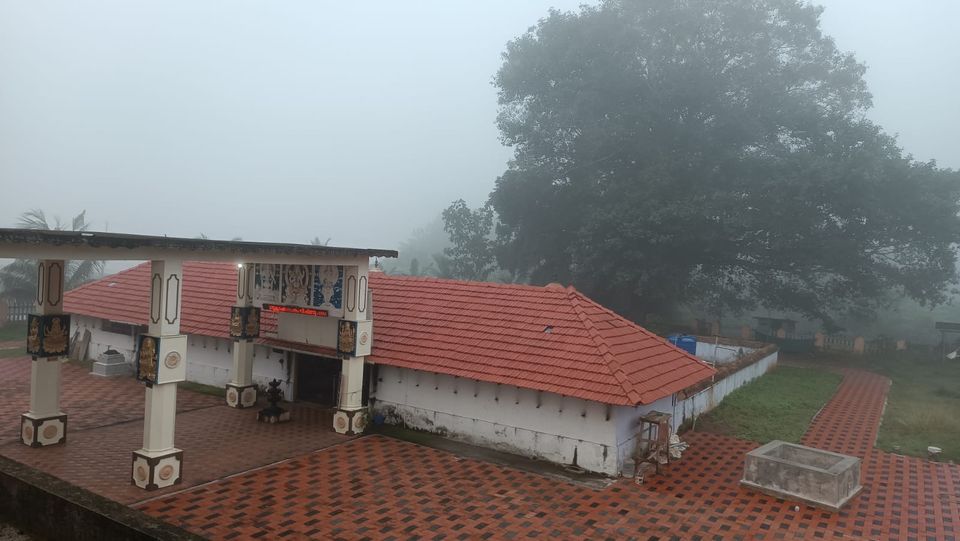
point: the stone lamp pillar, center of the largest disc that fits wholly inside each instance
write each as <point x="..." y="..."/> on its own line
<point x="354" y="340"/>
<point x="244" y="328"/>
<point x="48" y="341"/>
<point x="160" y="362"/>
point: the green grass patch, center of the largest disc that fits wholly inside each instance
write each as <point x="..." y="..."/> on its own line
<point x="776" y="406"/>
<point x="923" y="406"/>
<point x="13" y="331"/>
<point x="15" y="352"/>
<point x="202" y="389"/>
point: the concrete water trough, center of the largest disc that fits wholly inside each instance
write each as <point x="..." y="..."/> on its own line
<point x="796" y="472"/>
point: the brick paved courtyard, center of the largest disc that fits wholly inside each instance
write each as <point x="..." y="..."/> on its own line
<point x="380" y="488"/>
<point x="105" y="425"/>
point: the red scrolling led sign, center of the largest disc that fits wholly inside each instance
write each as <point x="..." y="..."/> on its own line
<point x="284" y="309"/>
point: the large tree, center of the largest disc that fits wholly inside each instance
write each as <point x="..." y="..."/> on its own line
<point x="711" y="151"/>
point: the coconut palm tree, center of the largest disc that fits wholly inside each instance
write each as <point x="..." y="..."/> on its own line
<point x="18" y="280"/>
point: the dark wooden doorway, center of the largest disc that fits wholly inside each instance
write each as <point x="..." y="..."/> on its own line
<point x="318" y="379"/>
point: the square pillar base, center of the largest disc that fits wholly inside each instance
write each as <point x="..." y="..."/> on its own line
<point x="241" y="396"/>
<point x="151" y="471"/>
<point x="350" y="422"/>
<point x="43" y="431"/>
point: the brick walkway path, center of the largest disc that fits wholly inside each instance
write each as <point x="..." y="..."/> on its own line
<point x="850" y="421"/>
<point x="379" y="488"/>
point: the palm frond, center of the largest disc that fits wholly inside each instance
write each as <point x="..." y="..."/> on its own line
<point x="81" y="272"/>
<point x="33" y="219"/>
<point x="18" y="280"/>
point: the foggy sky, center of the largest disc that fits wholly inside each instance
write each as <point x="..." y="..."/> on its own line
<point x="285" y="120"/>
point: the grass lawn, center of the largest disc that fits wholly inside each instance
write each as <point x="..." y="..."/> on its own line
<point x="10" y="333"/>
<point x="923" y="407"/>
<point x="13" y="331"/>
<point x="776" y="406"/>
<point x="15" y="352"/>
<point x="201" y="388"/>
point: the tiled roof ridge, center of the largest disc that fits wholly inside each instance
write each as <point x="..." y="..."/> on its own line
<point x="612" y="364"/>
<point x="637" y="327"/>
<point x="459" y="283"/>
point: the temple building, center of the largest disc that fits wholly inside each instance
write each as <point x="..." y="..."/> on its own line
<point x="540" y="371"/>
<point x="544" y="372"/>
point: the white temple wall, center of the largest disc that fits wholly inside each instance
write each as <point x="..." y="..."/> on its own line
<point x="101" y="340"/>
<point x="522" y="421"/>
<point x="209" y="360"/>
<point x="684" y="409"/>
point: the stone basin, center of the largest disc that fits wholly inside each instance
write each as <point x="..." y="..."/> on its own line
<point x="797" y="472"/>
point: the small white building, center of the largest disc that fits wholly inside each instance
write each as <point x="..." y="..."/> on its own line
<point x="539" y="371"/>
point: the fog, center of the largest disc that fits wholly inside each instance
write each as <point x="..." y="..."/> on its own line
<point x="358" y="122"/>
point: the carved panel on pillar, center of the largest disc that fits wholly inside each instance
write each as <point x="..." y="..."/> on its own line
<point x="161" y="359"/>
<point x="241" y="396"/>
<point x="48" y="335"/>
<point x="244" y="322"/>
<point x="171" y="303"/>
<point x="41" y="280"/>
<point x="54" y="283"/>
<point x="40" y="432"/>
<point x="156" y="299"/>
<point x="350" y="422"/>
<point x="351" y="293"/>
<point x="354" y="338"/>
<point x="245" y="275"/>
<point x="153" y="472"/>
<point x="362" y="295"/>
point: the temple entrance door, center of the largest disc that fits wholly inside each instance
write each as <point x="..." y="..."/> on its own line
<point x="318" y="379"/>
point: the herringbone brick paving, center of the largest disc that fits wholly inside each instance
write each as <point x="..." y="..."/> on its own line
<point x="379" y="488"/>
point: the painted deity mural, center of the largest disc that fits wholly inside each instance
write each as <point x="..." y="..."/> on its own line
<point x="313" y="286"/>
<point x="328" y="289"/>
<point x="267" y="283"/>
<point x="297" y="281"/>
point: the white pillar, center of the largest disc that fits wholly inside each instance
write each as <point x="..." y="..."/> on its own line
<point x="351" y="416"/>
<point x="48" y="341"/>
<point x="244" y="328"/>
<point x="158" y="463"/>
<point x="159" y="418"/>
<point x="351" y="393"/>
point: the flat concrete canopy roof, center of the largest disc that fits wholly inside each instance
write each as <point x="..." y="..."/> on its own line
<point x="45" y="244"/>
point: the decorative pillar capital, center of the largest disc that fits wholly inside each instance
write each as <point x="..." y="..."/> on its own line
<point x="166" y="286"/>
<point x="356" y="292"/>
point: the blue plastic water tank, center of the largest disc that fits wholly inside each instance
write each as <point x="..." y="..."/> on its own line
<point x="685" y="342"/>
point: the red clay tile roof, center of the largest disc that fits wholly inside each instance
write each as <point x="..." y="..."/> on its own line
<point x="550" y="338"/>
